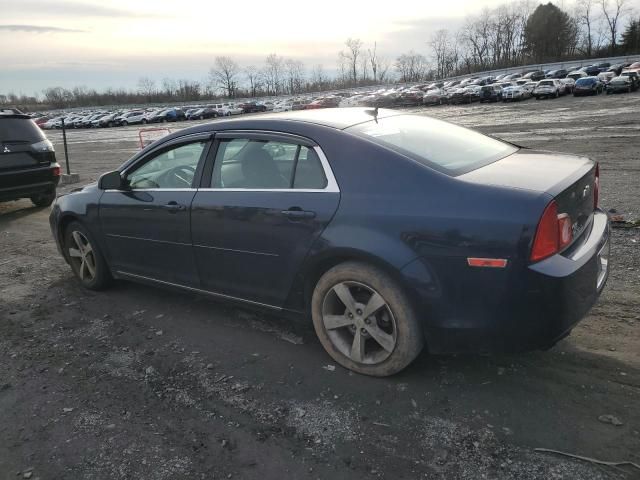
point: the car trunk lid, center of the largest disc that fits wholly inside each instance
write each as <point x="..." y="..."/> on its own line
<point x="569" y="179"/>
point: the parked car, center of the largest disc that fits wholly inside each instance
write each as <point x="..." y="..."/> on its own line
<point x="108" y="120"/>
<point x="435" y="96"/>
<point x="617" y="68"/>
<point x="515" y="93"/>
<point x="203" y="113"/>
<point x="131" y="118"/>
<point x="576" y="74"/>
<point x="635" y="79"/>
<point x="28" y="167"/>
<point x="605" y="77"/>
<point x="560" y="73"/>
<point x="490" y="93"/>
<point x="591" y="70"/>
<point x="230" y="109"/>
<point x="569" y="85"/>
<point x="588" y="86"/>
<point x="299" y="240"/>
<point x="619" y="85"/>
<point x="548" y="88"/>
<point x="252" y="107"/>
<point x="461" y="95"/>
<point x="166" y="115"/>
<point x="535" y="75"/>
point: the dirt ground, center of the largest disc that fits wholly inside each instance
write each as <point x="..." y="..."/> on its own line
<point x="142" y="383"/>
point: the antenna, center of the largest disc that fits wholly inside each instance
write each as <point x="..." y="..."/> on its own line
<point x="373" y="113"/>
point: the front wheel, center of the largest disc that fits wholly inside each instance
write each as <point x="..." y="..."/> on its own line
<point x="86" y="260"/>
<point x="364" y="320"/>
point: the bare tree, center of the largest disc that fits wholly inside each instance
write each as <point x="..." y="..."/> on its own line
<point x="254" y="77"/>
<point x="612" y="16"/>
<point x="373" y="61"/>
<point x="440" y="46"/>
<point x="351" y="57"/>
<point x="223" y="75"/>
<point x="147" y="87"/>
<point x="294" y="70"/>
<point x="318" y="77"/>
<point x="272" y="73"/>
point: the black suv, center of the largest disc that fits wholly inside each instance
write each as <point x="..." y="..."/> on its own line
<point x="28" y="167"/>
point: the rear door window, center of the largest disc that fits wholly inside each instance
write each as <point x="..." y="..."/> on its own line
<point x="266" y="165"/>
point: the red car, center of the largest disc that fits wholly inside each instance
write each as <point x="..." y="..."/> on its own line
<point x="327" y="102"/>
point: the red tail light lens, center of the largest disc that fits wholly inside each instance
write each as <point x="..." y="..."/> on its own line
<point x="56" y="171"/>
<point x="545" y="242"/>
<point x="553" y="234"/>
<point x="596" y="187"/>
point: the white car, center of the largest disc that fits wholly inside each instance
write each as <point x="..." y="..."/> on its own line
<point x="282" y="107"/>
<point x="577" y="74"/>
<point x="549" y="88"/>
<point x="606" y="77"/>
<point x="131" y="118"/>
<point x="229" y="109"/>
<point x="514" y="93"/>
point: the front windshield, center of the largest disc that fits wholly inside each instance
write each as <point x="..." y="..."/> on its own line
<point x="440" y="145"/>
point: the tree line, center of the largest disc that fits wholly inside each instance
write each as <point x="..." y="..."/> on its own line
<point x="509" y="35"/>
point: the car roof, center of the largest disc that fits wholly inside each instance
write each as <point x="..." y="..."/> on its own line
<point x="338" y="118"/>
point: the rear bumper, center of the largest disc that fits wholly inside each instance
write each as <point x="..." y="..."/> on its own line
<point x="16" y="184"/>
<point x="520" y="308"/>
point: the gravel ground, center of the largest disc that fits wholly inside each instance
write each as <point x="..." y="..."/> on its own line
<point x="143" y="383"/>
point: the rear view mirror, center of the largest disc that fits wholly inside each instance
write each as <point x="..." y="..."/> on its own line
<point x="111" y="181"/>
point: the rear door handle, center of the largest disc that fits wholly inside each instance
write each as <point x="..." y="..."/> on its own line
<point x="173" y="207"/>
<point x="296" y="213"/>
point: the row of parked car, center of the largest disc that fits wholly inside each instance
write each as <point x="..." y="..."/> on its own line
<point x="587" y="80"/>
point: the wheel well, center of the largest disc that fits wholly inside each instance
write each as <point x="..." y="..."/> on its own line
<point x="320" y="268"/>
<point x="64" y="223"/>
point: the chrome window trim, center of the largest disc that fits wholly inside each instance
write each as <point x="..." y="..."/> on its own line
<point x="332" y="184"/>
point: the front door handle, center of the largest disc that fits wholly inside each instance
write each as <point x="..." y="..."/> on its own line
<point x="173" y="207"/>
<point x="296" y="213"/>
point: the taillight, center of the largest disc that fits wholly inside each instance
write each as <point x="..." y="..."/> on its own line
<point x="56" y="171"/>
<point x="596" y="187"/>
<point x="554" y="232"/>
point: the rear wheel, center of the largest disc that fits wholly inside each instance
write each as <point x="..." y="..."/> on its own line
<point x="365" y="321"/>
<point x="44" y="199"/>
<point x="85" y="258"/>
<point x="125" y="123"/>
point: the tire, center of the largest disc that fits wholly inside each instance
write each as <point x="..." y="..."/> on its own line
<point x="395" y="322"/>
<point x="111" y="124"/>
<point x="96" y="278"/>
<point x="125" y="123"/>
<point x="44" y="199"/>
<point x="144" y="121"/>
<point x="201" y="117"/>
<point x="557" y="93"/>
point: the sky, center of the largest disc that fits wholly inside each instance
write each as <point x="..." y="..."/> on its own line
<point x="112" y="43"/>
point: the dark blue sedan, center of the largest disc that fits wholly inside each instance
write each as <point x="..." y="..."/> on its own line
<point x="390" y="231"/>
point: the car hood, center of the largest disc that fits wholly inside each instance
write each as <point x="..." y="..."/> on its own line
<point x="534" y="170"/>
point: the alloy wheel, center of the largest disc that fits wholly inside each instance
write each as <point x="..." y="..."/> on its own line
<point x="81" y="254"/>
<point x="359" y="322"/>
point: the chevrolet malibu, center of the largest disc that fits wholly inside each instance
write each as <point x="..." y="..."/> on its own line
<point x="392" y="232"/>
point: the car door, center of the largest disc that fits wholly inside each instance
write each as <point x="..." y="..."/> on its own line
<point x="147" y="224"/>
<point x="265" y="199"/>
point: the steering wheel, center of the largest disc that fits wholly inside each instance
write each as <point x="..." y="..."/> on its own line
<point x="182" y="175"/>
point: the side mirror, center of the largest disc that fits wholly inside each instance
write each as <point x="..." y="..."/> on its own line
<point x="111" y="181"/>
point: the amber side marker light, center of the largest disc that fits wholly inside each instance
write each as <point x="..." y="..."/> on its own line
<point x="487" y="262"/>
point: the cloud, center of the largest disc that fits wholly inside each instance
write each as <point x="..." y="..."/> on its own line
<point x="68" y="8"/>
<point x="37" y="29"/>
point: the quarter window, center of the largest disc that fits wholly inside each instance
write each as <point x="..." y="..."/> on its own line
<point x="266" y="165"/>
<point x="173" y="168"/>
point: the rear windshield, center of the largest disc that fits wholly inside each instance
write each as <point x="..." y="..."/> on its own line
<point x="585" y="81"/>
<point x="440" y="145"/>
<point x="19" y="130"/>
<point x="546" y="82"/>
